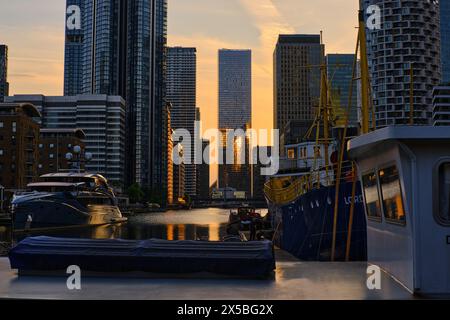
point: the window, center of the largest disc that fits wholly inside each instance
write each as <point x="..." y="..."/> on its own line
<point x="51" y="155"/>
<point x="14" y="127"/>
<point x="371" y="196"/>
<point x="442" y="203"/>
<point x="1" y="124"/>
<point x="1" y="152"/>
<point x="391" y="193"/>
<point x="291" y="153"/>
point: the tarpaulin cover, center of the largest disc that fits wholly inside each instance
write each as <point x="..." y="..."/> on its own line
<point x="252" y="259"/>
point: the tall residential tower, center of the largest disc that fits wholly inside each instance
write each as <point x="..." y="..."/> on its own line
<point x="182" y="94"/>
<point x="117" y="47"/>
<point x="408" y="40"/>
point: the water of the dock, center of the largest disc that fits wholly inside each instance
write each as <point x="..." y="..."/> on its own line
<point x="293" y="279"/>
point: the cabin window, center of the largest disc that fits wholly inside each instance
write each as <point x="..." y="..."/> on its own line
<point x="443" y="211"/>
<point x="291" y="153"/>
<point x="391" y="194"/>
<point x="371" y="196"/>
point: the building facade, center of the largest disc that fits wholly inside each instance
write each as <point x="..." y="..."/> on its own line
<point x="235" y="173"/>
<point x="19" y="136"/>
<point x="179" y="179"/>
<point x="297" y="63"/>
<point x="182" y="94"/>
<point x="203" y="175"/>
<point x="101" y="117"/>
<point x="235" y="88"/>
<point x="340" y="76"/>
<point x="54" y="145"/>
<point x="441" y="106"/>
<point x="409" y="38"/>
<point x="118" y="47"/>
<point x="4" y="85"/>
<point x="445" y="39"/>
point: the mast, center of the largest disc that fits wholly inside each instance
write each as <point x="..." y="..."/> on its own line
<point x="365" y="84"/>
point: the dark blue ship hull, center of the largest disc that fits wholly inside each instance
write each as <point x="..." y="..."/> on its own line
<point x="305" y="227"/>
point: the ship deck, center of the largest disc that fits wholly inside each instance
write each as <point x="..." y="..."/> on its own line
<point x="294" y="280"/>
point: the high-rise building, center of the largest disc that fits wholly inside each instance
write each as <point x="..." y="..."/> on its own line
<point x="117" y="47"/>
<point x="73" y="55"/>
<point x="101" y="117"/>
<point x="340" y="75"/>
<point x="297" y="63"/>
<point x="182" y="94"/>
<point x="441" y="105"/>
<point x="4" y="85"/>
<point x="203" y="176"/>
<point x="235" y="88"/>
<point x="19" y="132"/>
<point x="445" y="39"/>
<point x="235" y="173"/>
<point x="409" y="38"/>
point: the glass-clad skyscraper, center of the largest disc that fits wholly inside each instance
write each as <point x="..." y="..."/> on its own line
<point x="235" y="88"/>
<point x="340" y="75"/>
<point x="119" y="49"/>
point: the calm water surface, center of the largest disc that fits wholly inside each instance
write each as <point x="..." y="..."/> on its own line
<point x="172" y="225"/>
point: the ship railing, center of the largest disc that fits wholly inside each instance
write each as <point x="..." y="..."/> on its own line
<point x="286" y="190"/>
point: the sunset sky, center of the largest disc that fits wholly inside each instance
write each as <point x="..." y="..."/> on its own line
<point x="34" y="32"/>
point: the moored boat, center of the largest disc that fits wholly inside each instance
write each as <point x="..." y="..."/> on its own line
<point x="66" y="200"/>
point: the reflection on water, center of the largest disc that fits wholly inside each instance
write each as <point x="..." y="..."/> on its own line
<point x="173" y="225"/>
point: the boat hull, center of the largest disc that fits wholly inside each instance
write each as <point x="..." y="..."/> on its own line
<point x="58" y="213"/>
<point x="305" y="226"/>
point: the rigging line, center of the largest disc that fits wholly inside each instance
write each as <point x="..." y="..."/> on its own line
<point x="342" y="150"/>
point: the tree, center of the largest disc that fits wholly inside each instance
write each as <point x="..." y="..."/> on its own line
<point x="135" y="193"/>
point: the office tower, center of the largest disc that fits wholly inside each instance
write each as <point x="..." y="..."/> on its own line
<point x="235" y="174"/>
<point x="203" y="176"/>
<point x="445" y="39"/>
<point x="235" y="88"/>
<point x="4" y="85"/>
<point x="259" y="180"/>
<point x="441" y="105"/>
<point x="19" y="145"/>
<point x="122" y="47"/>
<point x="182" y="94"/>
<point x="297" y="62"/>
<point x="340" y="76"/>
<point x="101" y="117"/>
<point x="409" y="38"/>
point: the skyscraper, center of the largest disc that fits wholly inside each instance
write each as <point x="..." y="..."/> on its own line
<point x="73" y="54"/>
<point x="117" y="47"/>
<point x="445" y="39"/>
<point x="235" y="88"/>
<point x="297" y="61"/>
<point x="340" y="75"/>
<point x="409" y="38"/>
<point x="182" y="94"/>
<point x="4" y="85"/>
